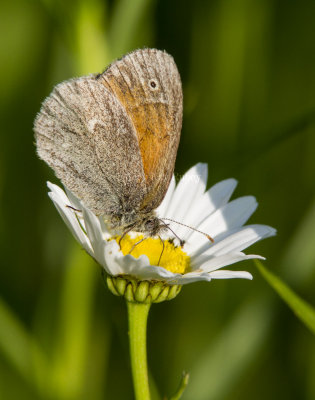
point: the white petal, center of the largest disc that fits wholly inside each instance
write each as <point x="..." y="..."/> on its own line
<point x="59" y="193"/>
<point x="70" y="219"/>
<point x="141" y="268"/>
<point x="220" y="193"/>
<point x="190" y="202"/>
<point x="150" y="272"/>
<point x="230" y="216"/>
<point x="76" y="203"/>
<point x="113" y="258"/>
<point x="95" y="234"/>
<point x="117" y="264"/>
<point x="162" y="209"/>
<point x="193" y="180"/>
<point x="236" y="241"/>
<point x="189" y="189"/>
<point x="193" y="187"/>
<point x="224" y="274"/>
<point x="190" y="278"/>
<point x="217" y="196"/>
<point x="221" y="261"/>
<point x="104" y="228"/>
<point x="131" y="265"/>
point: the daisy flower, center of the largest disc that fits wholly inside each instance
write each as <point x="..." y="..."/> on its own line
<point x="187" y="206"/>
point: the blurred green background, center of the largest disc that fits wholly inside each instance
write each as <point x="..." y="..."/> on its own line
<point x="248" y="72"/>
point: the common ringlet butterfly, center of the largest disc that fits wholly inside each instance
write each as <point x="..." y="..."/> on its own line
<point x="112" y="138"/>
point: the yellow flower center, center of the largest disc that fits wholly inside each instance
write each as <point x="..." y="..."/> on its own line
<point x="172" y="258"/>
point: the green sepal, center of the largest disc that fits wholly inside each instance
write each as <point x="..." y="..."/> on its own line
<point x="138" y="291"/>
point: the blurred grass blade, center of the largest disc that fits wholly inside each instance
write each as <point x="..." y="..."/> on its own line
<point x="154" y="391"/>
<point x="280" y="136"/>
<point x="71" y="368"/>
<point x="82" y="25"/>
<point x="124" y="23"/>
<point x="228" y="82"/>
<point x="74" y="336"/>
<point x="300" y="250"/>
<point x="92" y="51"/>
<point x="311" y="373"/>
<point x="98" y="360"/>
<point x="234" y="351"/>
<point x="304" y="311"/>
<point x="20" y="348"/>
<point x="182" y="387"/>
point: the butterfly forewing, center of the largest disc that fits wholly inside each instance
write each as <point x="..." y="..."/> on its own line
<point x="148" y="85"/>
<point x="112" y="139"/>
<point x="84" y="134"/>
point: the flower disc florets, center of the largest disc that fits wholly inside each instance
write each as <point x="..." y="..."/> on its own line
<point x="163" y="253"/>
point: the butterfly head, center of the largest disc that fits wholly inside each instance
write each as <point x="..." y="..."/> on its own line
<point x="147" y="223"/>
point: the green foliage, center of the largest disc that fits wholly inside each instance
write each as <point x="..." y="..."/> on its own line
<point x="301" y="309"/>
<point x="249" y="93"/>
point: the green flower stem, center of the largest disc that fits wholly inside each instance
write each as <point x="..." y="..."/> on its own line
<point x="138" y="316"/>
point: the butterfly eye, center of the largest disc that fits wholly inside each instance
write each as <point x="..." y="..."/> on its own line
<point x="153" y="84"/>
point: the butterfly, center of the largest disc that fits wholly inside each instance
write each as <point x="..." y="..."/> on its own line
<point x="112" y="138"/>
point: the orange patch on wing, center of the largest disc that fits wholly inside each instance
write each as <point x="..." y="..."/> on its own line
<point x="151" y="122"/>
<point x="153" y="136"/>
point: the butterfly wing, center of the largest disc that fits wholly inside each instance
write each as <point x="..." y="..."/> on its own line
<point x="147" y="84"/>
<point x="85" y="135"/>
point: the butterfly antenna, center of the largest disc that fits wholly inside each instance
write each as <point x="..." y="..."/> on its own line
<point x="190" y="227"/>
<point x="181" y="241"/>
<point x="162" y="249"/>
<point x="74" y="209"/>
<point x="124" y="234"/>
